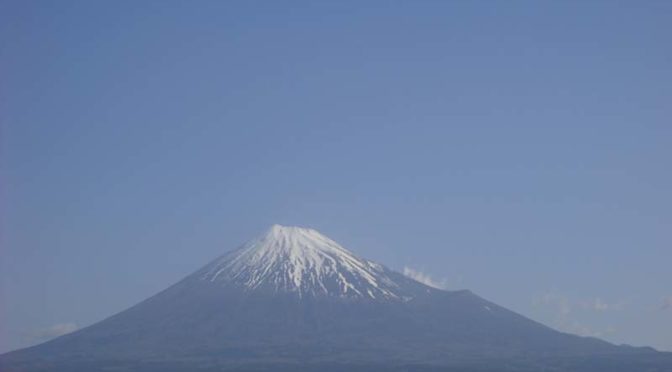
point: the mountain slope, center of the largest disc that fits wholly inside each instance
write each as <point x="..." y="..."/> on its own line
<point x="304" y="262"/>
<point x="294" y="296"/>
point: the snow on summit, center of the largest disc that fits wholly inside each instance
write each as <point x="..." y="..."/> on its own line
<point x="302" y="261"/>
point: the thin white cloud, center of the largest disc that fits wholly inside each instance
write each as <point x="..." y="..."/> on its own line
<point x="599" y="305"/>
<point x="565" y="305"/>
<point x="581" y="329"/>
<point x="667" y="303"/>
<point x="425" y="279"/>
<point x="564" y="311"/>
<point x="53" y="331"/>
<point x="560" y="302"/>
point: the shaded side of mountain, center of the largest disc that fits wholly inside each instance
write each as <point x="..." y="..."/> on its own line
<point x="196" y="319"/>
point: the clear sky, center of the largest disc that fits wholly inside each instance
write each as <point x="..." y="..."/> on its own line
<point x="522" y="150"/>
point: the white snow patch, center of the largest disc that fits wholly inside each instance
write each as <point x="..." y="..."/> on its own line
<point x="304" y="261"/>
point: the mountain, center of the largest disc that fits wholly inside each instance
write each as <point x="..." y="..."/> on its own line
<point x="305" y="263"/>
<point x="295" y="300"/>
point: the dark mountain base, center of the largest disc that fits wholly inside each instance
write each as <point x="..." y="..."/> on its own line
<point x="655" y="362"/>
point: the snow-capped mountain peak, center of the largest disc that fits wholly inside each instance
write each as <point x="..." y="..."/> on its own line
<point x="302" y="261"/>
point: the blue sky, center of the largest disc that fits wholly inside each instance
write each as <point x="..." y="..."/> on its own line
<point x="518" y="149"/>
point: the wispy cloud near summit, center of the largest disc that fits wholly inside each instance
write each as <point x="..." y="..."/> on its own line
<point x="425" y="278"/>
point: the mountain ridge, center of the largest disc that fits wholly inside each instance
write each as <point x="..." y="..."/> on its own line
<point x="279" y="300"/>
<point x="301" y="261"/>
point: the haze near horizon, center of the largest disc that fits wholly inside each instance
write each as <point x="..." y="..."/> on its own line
<point x="521" y="151"/>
